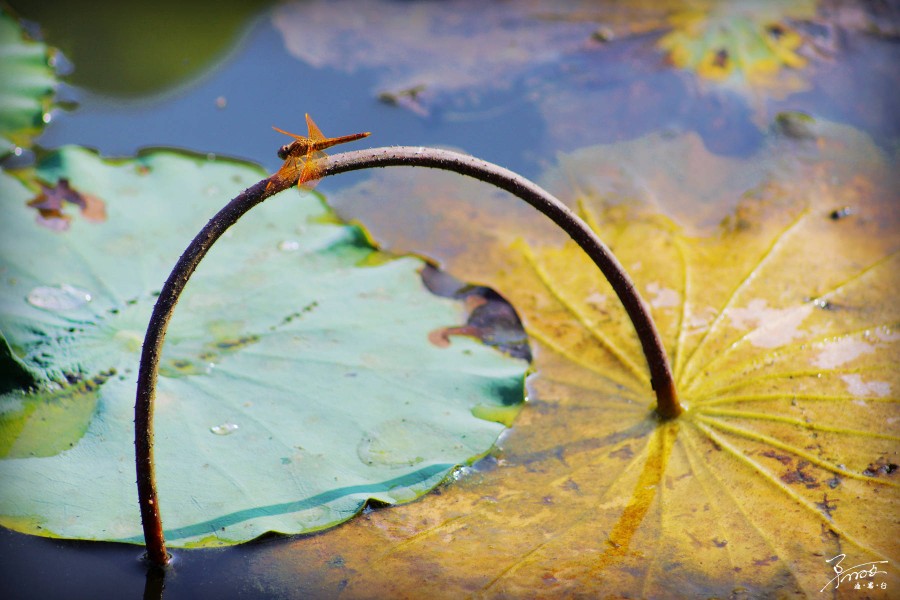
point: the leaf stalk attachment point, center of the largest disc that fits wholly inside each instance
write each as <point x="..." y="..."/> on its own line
<point x="661" y="378"/>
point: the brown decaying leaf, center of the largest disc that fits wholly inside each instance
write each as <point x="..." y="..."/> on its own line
<point x="783" y="329"/>
<point x="51" y="204"/>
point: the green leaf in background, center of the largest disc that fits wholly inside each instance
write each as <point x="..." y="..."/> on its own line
<point x="298" y="380"/>
<point x="132" y="49"/>
<point x="27" y="85"/>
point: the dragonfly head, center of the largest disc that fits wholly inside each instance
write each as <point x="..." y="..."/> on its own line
<point x="284" y="151"/>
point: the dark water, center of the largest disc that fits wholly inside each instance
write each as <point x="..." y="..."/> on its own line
<point x="40" y="568"/>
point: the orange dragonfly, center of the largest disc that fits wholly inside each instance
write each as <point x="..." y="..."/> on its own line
<point x="302" y="155"/>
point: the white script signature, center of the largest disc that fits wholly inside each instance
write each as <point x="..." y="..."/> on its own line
<point x="854" y="573"/>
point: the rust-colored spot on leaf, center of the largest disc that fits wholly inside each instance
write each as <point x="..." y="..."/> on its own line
<point x="441" y="337"/>
<point x="765" y="561"/>
<point x="94" y="208"/>
<point x="827" y="506"/>
<point x="799" y="475"/>
<point x="880" y="467"/>
<point x="625" y="452"/>
<point x="51" y="204"/>
<point x="549" y="578"/>
<point x="571" y="485"/>
<point x="782" y="458"/>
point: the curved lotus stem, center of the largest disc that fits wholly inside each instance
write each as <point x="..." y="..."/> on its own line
<point x="660" y="373"/>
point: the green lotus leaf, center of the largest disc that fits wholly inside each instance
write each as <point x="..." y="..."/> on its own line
<point x="297" y="383"/>
<point x="27" y="85"/>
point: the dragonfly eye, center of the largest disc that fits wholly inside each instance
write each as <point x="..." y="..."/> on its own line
<point x="284" y="152"/>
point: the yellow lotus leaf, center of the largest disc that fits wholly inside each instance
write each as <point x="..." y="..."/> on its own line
<point x="746" y="40"/>
<point x="780" y="475"/>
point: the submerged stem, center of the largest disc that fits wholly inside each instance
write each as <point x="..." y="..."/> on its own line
<point x="660" y="373"/>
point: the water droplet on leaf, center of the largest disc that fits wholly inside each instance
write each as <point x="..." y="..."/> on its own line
<point x="224" y="428"/>
<point x="289" y="245"/>
<point x="62" y="297"/>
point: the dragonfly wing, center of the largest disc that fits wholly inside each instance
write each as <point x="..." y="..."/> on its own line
<point x="311" y="172"/>
<point x="315" y="135"/>
<point x="299" y="138"/>
<point x="286" y="174"/>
